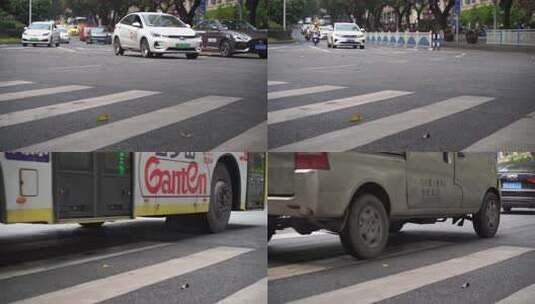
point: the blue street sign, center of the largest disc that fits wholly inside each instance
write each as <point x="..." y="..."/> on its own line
<point x="457" y="7"/>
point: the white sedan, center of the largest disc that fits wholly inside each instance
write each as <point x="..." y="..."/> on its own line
<point x="154" y="34"/>
<point x="346" y="34"/>
<point x="41" y="33"/>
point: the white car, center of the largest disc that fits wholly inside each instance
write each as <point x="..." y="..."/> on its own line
<point x="155" y="34"/>
<point x="44" y="32"/>
<point x="325" y="30"/>
<point x="346" y="34"/>
<point x="64" y="35"/>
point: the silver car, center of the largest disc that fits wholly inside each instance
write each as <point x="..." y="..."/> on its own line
<point x="44" y="32"/>
<point x="363" y="197"/>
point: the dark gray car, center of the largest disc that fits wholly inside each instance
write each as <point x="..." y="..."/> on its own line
<point x="99" y="35"/>
<point x="517" y="181"/>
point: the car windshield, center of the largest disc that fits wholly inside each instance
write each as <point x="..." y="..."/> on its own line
<point x="62" y="30"/>
<point x="523" y="162"/>
<point x="40" y="26"/>
<point x="347" y="27"/>
<point x="238" y="25"/>
<point x="163" y="21"/>
<point x="98" y="30"/>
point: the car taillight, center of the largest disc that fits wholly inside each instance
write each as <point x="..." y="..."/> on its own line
<point x="318" y="160"/>
<point x="531" y="180"/>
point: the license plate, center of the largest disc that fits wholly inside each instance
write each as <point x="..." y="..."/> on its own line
<point x="350" y="40"/>
<point x="183" y="46"/>
<point x="511" y="185"/>
<point x="260" y="47"/>
<point x="34" y="39"/>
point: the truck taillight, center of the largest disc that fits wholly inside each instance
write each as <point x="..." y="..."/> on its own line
<point x="318" y="160"/>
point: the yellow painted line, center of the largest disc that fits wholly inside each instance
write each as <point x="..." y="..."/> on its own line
<point x="27" y="215"/>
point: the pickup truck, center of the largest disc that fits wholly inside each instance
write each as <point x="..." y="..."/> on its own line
<point x="365" y="196"/>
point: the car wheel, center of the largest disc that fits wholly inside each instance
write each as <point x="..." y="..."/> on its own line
<point x="158" y="55"/>
<point x="362" y="47"/>
<point x="263" y="55"/>
<point x="220" y="200"/>
<point x="117" y="49"/>
<point x="225" y="49"/>
<point x="192" y="56"/>
<point x="354" y="46"/>
<point x="145" y="49"/>
<point x="334" y="46"/>
<point x="365" y="232"/>
<point x="506" y="209"/>
<point x="50" y="44"/>
<point x="91" y="225"/>
<point x="487" y="219"/>
<point x="57" y="44"/>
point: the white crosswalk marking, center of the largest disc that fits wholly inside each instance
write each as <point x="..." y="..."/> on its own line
<point x="252" y="140"/>
<point x="303" y="91"/>
<point x="122" y="283"/>
<point x="4" y="84"/>
<point x="396" y="284"/>
<point x="518" y="136"/>
<point x="274" y="83"/>
<point x="523" y="296"/>
<point x="99" y="137"/>
<point x="69" y="107"/>
<point x="255" y="293"/>
<point x="356" y="136"/>
<point x="42" y="92"/>
<point x="331" y="105"/>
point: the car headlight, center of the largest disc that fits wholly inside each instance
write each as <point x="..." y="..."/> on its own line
<point x="156" y="35"/>
<point x="46" y="34"/>
<point x="241" y="38"/>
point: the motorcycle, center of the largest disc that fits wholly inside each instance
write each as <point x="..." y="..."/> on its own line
<point x="316" y="38"/>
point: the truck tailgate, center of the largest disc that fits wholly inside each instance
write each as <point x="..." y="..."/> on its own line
<point x="281" y="174"/>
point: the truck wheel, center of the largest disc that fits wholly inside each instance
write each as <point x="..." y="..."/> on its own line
<point x="487" y="220"/>
<point x="395" y="227"/>
<point x="91" y="225"/>
<point x="220" y="200"/>
<point x="365" y="233"/>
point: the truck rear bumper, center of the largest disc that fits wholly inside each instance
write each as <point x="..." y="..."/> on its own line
<point x="304" y="201"/>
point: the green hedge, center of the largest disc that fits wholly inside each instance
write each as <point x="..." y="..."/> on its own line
<point x="9" y="26"/>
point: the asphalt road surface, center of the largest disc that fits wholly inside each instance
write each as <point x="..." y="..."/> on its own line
<point x="385" y="98"/>
<point x="138" y="261"/>
<point x="83" y="97"/>
<point x="438" y="263"/>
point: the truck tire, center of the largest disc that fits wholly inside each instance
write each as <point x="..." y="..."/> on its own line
<point x="365" y="232"/>
<point x="396" y="226"/>
<point x="487" y="219"/>
<point x="220" y="200"/>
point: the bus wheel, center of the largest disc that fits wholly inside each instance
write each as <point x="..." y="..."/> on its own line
<point x="365" y="233"/>
<point x="91" y="225"/>
<point x="220" y="200"/>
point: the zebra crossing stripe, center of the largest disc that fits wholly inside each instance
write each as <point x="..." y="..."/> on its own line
<point x="303" y="91"/>
<point x="523" y="296"/>
<point x="331" y="105"/>
<point x="103" y="289"/>
<point x="516" y="137"/>
<point x="4" y="84"/>
<point x="396" y="284"/>
<point x="69" y="107"/>
<point x="100" y="137"/>
<point x="41" y="92"/>
<point x="274" y="83"/>
<point x="359" y="135"/>
<point x="252" y="140"/>
<point x="255" y="293"/>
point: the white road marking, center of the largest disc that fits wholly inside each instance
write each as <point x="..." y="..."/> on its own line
<point x="359" y="135"/>
<point x="77" y="67"/>
<point x="252" y="140"/>
<point x="19" y="117"/>
<point x="4" y="84"/>
<point x="331" y="105"/>
<point x="53" y="264"/>
<point x="113" y="286"/>
<point x="518" y="136"/>
<point x="303" y="91"/>
<point x="523" y="296"/>
<point x="255" y="293"/>
<point x="41" y="92"/>
<point x="292" y="270"/>
<point x="100" y="137"/>
<point x="273" y="83"/>
<point x="319" y="49"/>
<point x="396" y="284"/>
<point x="460" y="55"/>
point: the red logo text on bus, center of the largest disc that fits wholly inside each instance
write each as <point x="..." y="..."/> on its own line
<point x="174" y="182"/>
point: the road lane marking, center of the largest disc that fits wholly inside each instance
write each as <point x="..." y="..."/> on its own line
<point x="359" y="135"/>
<point x="523" y="296"/>
<point x="296" y="269"/>
<point x="252" y="140"/>
<point x="396" y="284"/>
<point x="517" y="136"/>
<point x="273" y="83"/>
<point x="4" y="84"/>
<point x="303" y="91"/>
<point x="23" y="116"/>
<point x="255" y="293"/>
<point x="41" y="92"/>
<point x="53" y="264"/>
<point x="116" y="285"/>
<point x="331" y="105"/>
<point x="100" y="137"/>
